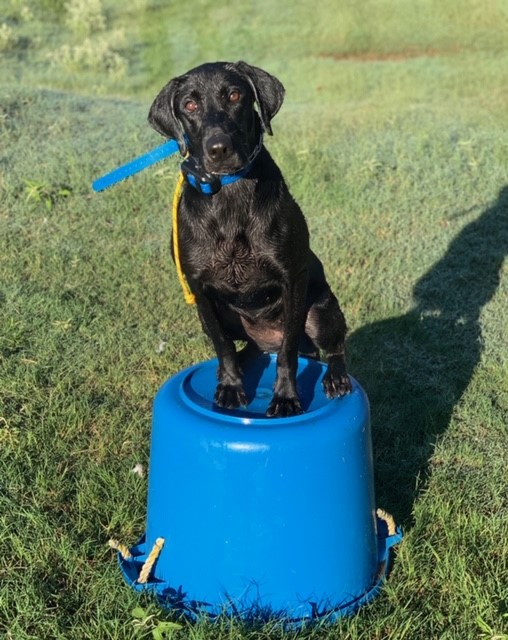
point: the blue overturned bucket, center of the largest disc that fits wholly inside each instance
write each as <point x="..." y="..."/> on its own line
<point x="253" y="516"/>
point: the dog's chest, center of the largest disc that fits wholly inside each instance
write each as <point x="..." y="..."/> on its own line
<point x="229" y="260"/>
<point x="227" y="246"/>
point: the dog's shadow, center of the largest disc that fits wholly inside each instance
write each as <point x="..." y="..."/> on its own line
<point x="416" y="367"/>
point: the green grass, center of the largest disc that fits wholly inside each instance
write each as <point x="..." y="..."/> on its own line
<point x="393" y="138"/>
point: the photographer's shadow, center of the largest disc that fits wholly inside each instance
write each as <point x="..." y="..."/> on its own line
<point x="416" y="367"/>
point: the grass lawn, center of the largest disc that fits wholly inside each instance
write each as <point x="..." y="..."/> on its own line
<point x="394" y="139"/>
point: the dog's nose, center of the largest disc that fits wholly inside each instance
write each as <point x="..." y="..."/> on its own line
<point x="219" y="147"/>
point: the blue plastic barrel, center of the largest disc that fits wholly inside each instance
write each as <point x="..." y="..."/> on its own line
<point x="261" y="516"/>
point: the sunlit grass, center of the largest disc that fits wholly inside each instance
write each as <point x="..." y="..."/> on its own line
<point x="393" y="139"/>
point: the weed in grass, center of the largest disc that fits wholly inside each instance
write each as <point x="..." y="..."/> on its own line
<point x="85" y="17"/>
<point x="40" y="192"/>
<point x="8" y="38"/>
<point x="488" y="632"/>
<point x="145" y="622"/>
<point x="93" y="54"/>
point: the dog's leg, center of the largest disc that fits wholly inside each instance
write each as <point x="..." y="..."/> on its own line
<point x="229" y="393"/>
<point x="285" y="401"/>
<point x="326" y="327"/>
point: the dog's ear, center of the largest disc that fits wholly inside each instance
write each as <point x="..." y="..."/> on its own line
<point x="268" y="92"/>
<point x="162" y="116"/>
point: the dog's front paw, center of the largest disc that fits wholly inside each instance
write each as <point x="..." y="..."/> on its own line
<point x="230" y="396"/>
<point x="336" y="386"/>
<point x="282" y="407"/>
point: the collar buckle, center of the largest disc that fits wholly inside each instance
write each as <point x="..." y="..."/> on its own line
<point x="199" y="179"/>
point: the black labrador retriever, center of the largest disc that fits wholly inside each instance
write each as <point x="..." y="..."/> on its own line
<point x="243" y="240"/>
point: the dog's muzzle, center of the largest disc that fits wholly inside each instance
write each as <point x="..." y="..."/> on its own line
<point x="210" y="183"/>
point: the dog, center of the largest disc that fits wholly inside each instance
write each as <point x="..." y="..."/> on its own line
<point x="242" y="238"/>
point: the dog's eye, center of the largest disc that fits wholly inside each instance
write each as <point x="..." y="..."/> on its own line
<point x="190" y="106"/>
<point x="234" y="96"/>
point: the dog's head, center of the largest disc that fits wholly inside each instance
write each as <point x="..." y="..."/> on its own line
<point x="210" y="112"/>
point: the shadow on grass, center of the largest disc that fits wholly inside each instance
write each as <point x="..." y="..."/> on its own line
<point x="416" y="367"/>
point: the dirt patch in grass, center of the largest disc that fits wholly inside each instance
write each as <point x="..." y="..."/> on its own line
<point x="393" y="56"/>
